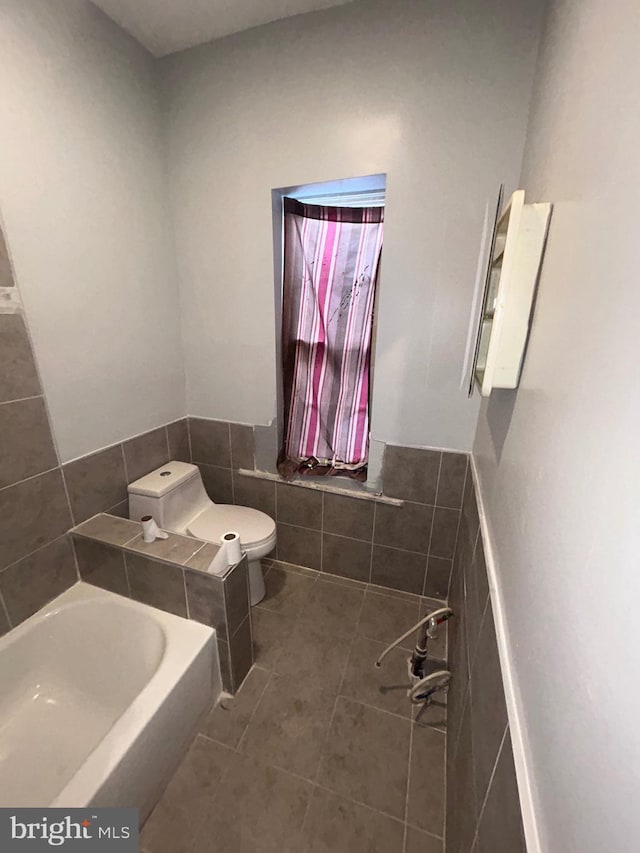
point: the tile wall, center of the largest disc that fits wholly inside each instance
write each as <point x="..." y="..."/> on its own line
<point x="407" y="547"/>
<point x="170" y="574"/>
<point x="483" y="809"/>
<point x="36" y="557"/>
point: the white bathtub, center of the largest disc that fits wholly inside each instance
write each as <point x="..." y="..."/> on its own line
<point x="99" y="696"/>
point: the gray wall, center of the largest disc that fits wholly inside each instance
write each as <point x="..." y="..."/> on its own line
<point x="84" y="202"/>
<point x="435" y="95"/>
<point x="558" y="460"/>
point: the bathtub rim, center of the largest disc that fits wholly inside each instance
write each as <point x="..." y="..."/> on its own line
<point x="185" y="641"/>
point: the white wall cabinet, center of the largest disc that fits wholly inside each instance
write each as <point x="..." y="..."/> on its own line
<point x="514" y="261"/>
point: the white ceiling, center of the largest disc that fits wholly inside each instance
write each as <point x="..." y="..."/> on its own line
<point x="164" y="26"/>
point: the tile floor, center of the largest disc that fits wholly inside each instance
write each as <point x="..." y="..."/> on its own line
<point x="319" y="752"/>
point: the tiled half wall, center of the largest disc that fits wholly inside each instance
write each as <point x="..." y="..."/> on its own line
<point x="407" y="547"/>
<point x="170" y="574"/>
<point x="483" y="808"/>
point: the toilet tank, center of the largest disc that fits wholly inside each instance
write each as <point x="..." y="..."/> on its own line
<point x="173" y="494"/>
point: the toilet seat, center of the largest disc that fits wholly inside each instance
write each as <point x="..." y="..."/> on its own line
<point x="255" y="528"/>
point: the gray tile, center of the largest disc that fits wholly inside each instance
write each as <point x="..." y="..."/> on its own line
<point x="109" y="529"/>
<point x="422" y="842"/>
<point x="270" y="633"/>
<point x="4" y="622"/>
<point x="175" y="821"/>
<point x="384" y="618"/>
<point x="174" y="549"/>
<point x="178" y="437"/>
<point x="453" y="469"/>
<point x="218" y="483"/>
<point x="259" y="494"/>
<point x="6" y="272"/>
<point x="145" y="453"/>
<point x="18" y="372"/>
<point x="470" y="507"/>
<point x="334" y="608"/>
<point x="314" y="574"/>
<point x="242" y="446"/>
<point x="299" y="506"/>
<point x="258" y="810"/>
<point x="236" y="595"/>
<point x="361" y="741"/>
<point x="384" y="687"/>
<point x="210" y="442"/>
<point x="206" y="601"/>
<point x="289" y="726"/>
<point x="311" y="655"/>
<point x="444" y="532"/>
<point x="226" y="722"/>
<point x="101" y="565"/>
<point x="426" y="780"/>
<point x="32" y="513"/>
<point x="461" y="795"/>
<point x="299" y="546"/>
<point x="327" y="577"/>
<point x="398" y="569"/>
<point x="201" y="560"/>
<point x="407" y="527"/>
<point x="225" y="665"/>
<point x="336" y="825"/>
<point x="489" y="718"/>
<point x="96" y="483"/>
<point x="346" y="516"/>
<point x="241" y="653"/>
<point x="286" y="592"/>
<point x="156" y="584"/>
<point x="27" y="444"/>
<point x="501" y="823"/>
<point x="350" y="558"/>
<point x="411" y="474"/>
<point x="476" y="595"/>
<point x="437" y="580"/>
<point x="30" y="584"/>
<point x="121" y="510"/>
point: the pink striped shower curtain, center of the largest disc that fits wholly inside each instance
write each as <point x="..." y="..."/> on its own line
<point x="331" y="257"/>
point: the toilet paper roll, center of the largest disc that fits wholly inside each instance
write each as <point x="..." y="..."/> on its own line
<point x="150" y="530"/>
<point x="229" y="553"/>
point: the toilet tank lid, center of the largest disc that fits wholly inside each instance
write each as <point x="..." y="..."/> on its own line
<point x="163" y="480"/>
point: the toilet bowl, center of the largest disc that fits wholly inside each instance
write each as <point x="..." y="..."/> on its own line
<point x="176" y="498"/>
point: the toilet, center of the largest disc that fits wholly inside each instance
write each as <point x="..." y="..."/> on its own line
<point x="176" y="498"/>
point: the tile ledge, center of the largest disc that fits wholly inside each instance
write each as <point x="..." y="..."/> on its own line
<point x="322" y="487"/>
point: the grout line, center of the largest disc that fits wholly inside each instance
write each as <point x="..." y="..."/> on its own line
<point x="186" y="597"/>
<point x="126" y="573"/>
<point x="22" y="399"/>
<point x="406" y="797"/>
<point x="493" y="773"/>
<point x="166" y="438"/>
<point x="322" y="533"/>
<point x="124" y="462"/>
<point x="255" y="708"/>
<point x="373" y="537"/>
<point x="233" y="489"/>
<point x="35" y="551"/>
<point x="6" y="612"/>
<point x="189" y="439"/>
<point x="32" y="477"/>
